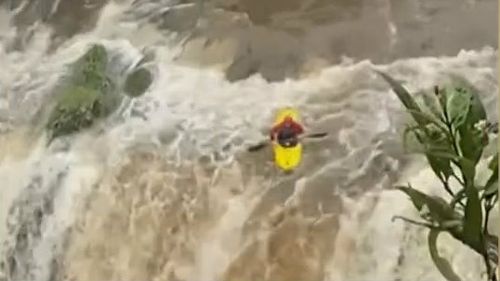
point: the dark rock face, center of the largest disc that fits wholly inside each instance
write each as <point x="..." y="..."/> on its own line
<point x="138" y="82"/>
<point x="281" y="39"/>
<point x="67" y="18"/>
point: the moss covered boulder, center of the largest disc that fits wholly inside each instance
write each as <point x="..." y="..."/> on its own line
<point x="138" y="82"/>
<point x="90" y="69"/>
<point x="75" y="110"/>
<point x="89" y="94"/>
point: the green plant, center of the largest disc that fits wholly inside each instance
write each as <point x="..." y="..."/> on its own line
<point x="450" y="128"/>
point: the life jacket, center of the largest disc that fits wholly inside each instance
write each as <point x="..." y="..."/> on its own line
<point x="287" y="137"/>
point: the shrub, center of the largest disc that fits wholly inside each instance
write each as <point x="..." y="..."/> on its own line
<point x="450" y="128"/>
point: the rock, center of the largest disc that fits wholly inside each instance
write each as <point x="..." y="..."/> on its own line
<point x="89" y="95"/>
<point x="90" y="70"/>
<point x="138" y="82"/>
<point x="76" y="109"/>
<point x="148" y="56"/>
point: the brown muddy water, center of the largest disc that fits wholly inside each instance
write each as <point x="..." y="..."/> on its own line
<point x="165" y="190"/>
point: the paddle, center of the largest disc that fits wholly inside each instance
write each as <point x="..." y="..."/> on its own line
<point x="263" y="144"/>
<point x="315" y="136"/>
<point x="258" y="146"/>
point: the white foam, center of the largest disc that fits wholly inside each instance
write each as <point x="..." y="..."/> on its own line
<point x="79" y="180"/>
<point x="212" y="111"/>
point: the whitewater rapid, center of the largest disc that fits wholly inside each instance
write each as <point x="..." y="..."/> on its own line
<point x="164" y="189"/>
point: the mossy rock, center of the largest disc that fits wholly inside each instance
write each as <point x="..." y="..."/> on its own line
<point x="76" y="109"/>
<point x="89" y="95"/>
<point x="138" y="82"/>
<point x="90" y="69"/>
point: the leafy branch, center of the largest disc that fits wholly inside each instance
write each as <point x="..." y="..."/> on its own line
<point x="451" y="130"/>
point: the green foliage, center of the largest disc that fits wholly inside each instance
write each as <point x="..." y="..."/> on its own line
<point x="441" y="263"/>
<point x="451" y="130"/>
<point x="491" y="187"/>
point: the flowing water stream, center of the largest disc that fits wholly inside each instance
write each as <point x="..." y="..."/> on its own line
<point x="164" y="188"/>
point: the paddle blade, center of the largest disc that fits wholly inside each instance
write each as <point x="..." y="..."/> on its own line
<point x="316" y="135"/>
<point x="257" y="147"/>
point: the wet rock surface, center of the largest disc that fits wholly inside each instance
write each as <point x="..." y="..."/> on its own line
<point x="89" y="95"/>
<point x="280" y="39"/>
<point x="287" y="38"/>
<point x="138" y="82"/>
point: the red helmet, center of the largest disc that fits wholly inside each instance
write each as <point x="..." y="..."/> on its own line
<point x="287" y="122"/>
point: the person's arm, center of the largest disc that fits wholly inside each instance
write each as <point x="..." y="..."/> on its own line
<point x="273" y="132"/>
<point x="298" y="128"/>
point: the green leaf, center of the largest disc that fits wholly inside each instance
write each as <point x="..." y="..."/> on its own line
<point x="404" y="97"/>
<point x="440" y="166"/>
<point x="409" y="135"/>
<point x="433" y="139"/>
<point x="442" y="98"/>
<point x="429" y="119"/>
<point x="467" y="166"/>
<point x="472" y="140"/>
<point x="491" y="186"/>
<point x="476" y="111"/>
<point x="418" y="198"/>
<point x="439" y="210"/>
<point x="458" y="105"/>
<point x="432" y="104"/>
<point x="471" y="143"/>
<point x="441" y="263"/>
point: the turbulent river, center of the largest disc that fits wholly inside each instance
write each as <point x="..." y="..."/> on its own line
<point x="164" y="189"/>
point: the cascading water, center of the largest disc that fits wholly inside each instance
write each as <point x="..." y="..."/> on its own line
<point x="164" y="189"/>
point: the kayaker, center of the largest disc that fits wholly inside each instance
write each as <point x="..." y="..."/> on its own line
<point x="287" y="132"/>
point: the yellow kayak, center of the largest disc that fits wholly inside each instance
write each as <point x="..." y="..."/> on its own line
<point x="287" y="158"/>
